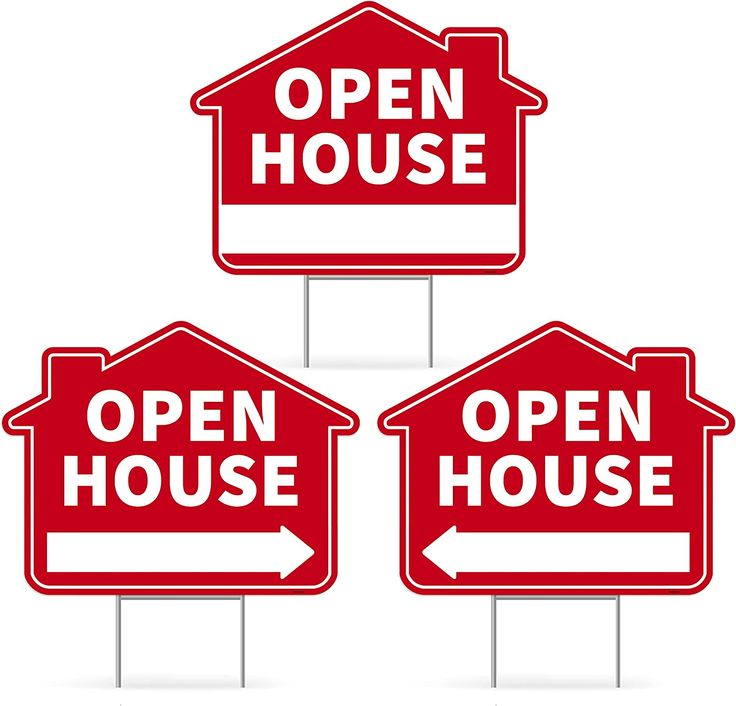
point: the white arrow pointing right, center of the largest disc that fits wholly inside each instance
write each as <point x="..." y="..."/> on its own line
<point x="180" y="552"/>
<point x="558" y="552"/>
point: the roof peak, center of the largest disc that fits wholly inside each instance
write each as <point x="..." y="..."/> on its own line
<point x="108" y="361"/>
<point x="579" y="338"/>
<point x="200" y="100"/>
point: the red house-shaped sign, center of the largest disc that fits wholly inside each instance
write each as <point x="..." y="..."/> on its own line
<point x="557" y="465"/>
<point x="422" y="135"/>
<point x="178" y="466"/>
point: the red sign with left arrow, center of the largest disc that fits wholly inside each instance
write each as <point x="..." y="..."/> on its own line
<point x="558" y="466"/>
<point x="178" y="466"/>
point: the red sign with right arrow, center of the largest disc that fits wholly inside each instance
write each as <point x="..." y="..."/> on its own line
<point x="180" y="465"/>
<point x="558" y="466"/>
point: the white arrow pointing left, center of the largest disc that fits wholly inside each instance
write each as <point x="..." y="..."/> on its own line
<point x="554" y="552"/>
<point x="176" y="552"/>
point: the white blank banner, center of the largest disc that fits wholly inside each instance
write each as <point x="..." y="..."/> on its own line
<point x="369" y="229"/>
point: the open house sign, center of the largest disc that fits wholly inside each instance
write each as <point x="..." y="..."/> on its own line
<point x="397" y="124"/>
<point x="557" y="465"/>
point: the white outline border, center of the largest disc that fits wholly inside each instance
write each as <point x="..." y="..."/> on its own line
<point x="520" y="110"/>
<point x="469" y="588"/>
<point x="332" y="435"/>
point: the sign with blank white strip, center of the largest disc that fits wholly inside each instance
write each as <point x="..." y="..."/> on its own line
<point x="371" y="146"/>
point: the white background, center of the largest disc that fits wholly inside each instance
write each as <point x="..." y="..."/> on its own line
<point x="105" y="224"/>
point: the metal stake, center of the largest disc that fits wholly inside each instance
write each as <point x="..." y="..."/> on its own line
<point x="242" y="642"/>
<point x="118" y="625"/>
<point x="493" y="642"/>
<point x="618" y="642"/>
<point x="616" y="599"/>
<point x="430" y="326"/>
<point x="430" y="322"/>
<point x="306" y="321"/>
